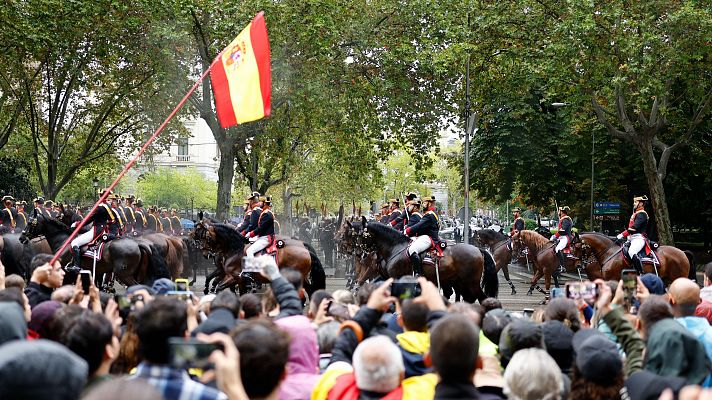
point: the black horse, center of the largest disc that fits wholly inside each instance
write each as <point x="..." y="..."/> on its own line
<point x="497" y="243"/>
<point x="462" y="265"/>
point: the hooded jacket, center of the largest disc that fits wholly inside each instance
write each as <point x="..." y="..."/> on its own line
<point x="413" y="346"/>
<point x="303" y="364"/>
<point x="701" y="329"/>
<point x="673" y="351"/>
<point x="12" y="322"/>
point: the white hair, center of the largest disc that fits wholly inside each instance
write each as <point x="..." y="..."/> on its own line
<point x="532" y="375"/>
<point x="378" y="365"/>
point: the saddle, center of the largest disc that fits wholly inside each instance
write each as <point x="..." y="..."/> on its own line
<point x="93" y="250"/>
<point x="435" y="252"/>
<point x="272" y="248"/>
<point x="646" y="255"/>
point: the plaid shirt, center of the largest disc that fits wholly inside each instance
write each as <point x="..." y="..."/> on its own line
<point x="175" y="384"/>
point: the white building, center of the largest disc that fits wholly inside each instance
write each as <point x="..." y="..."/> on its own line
<point x="199" y="151"/>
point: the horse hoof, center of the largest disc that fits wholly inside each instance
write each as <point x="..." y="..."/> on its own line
<point x="514" y="292"/>
<point x="543" y="302"/>
<point x="206" y="291"/>
<point x="530" y="292"/>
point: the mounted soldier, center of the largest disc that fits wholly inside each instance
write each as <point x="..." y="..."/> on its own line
<point x="8" y="218"/>
<point x="175" y="222"/>
<point x="263" y="235"/>
<point x="517" y="226"/>
<point x="394" y="214"/>
<point x="49" y="209"/>
<point x="153" y="223"/>
<point x="21" y="221"/>
<point x="563" y="234"/>
<point x="384" y="214"/>
<point x="414" y="215"/>
<point x="105" y="226"/>
<point x="636" y="234"/>
<point x="119" y="212"/>
<point x="403" y="219"/>
<point x="130" y="223"/>
<point x="140" y="215"/>
<point x="425" y="233"/>
<point x="166" y="224"/>
<point x="249" y="222"/>
<point x="39" y="209"/>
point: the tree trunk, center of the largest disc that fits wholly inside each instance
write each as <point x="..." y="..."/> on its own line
<point x="657" y="193"/>
<point x="226" y="172"/>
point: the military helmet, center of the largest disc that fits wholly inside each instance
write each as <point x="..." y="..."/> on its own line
<point x="415" y="202"/>
<point x="394" y="201"/>
<point x="429" y="199"/>
<point x="266" y="200"/>
<point x="39" y="200"/>
<point x="48" y="203"/>
<point x="516" y="210"/>
<point x="255" y="196"/>
<point x="565" y="209"/>
<point x="139" y="203"/>
<point x="640" y="198"/>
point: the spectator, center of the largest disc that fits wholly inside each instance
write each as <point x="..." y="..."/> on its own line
<point x="472" y="311"/>
<point x="532" y="375"/>
<point x="264" y="352"/>
<point x="45" y="279"/>
<point x="162" y="286"/>
<point x="519" y="334"/>
<point x="15" y="281"/>
<point x="558" y="341"/>
<point x="490" y="304"/>
<point x="673" y="351"/>
<point x="414" y="342"/>
<point x="119" y="389"/>
<point x="14" y="294"/>
<point x="494" y="323"/>
<point x="343" y="296"/>
<point x="654" y="309"/>
<point x="250" y="305"/>
<point x="224" y="314"/>
<point x="598" y="369"/>
<point x="12" y="322"/>
<point x="326" y="335"/>
<point x="63" y="294"/>
<point x="39" y="370"/>
<point x="158" y="321"/>
<point x="315" y="301"/>
<point x="564" y="310"/>
<point x="684" y="298"/>
<point x="705" y="293"/>
<point x="91" y="337"/>
<point x="653" y="283"/>
<point x="41" y="323"/>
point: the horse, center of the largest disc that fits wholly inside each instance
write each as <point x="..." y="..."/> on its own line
<point x="545" y="261"/>
<point x="462" y="265"/>
<point x="132" y="262"/>
<point x="16" y="254"/>
<point x="226" y="241"/>
<point x="497" y="242"/>
<point x="171" y="248"/>
<point x="674" y="263"/>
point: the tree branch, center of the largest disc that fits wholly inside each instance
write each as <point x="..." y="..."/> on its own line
<point x="601" y="116"/>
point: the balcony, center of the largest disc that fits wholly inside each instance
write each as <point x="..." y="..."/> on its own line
<point x="183" y="158"/>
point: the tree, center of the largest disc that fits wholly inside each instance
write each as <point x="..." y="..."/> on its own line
<point x="168" y="187"/>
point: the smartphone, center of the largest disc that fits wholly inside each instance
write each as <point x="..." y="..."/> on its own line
<point x="630" y="286"/>
<point x="182" y="285"/>
<point x="587" y="291"/>
<point x="86" y="280"/>
<point x="557" y="292"/>
<point x="528" y="312"/>
<point x="122" y="301"/>
<point x="184" y="295"/>
<point x="250" y="264"/>
<point x="190" y="353"/>
<point x="405" y="290"/>
<point x="337" y="310"/>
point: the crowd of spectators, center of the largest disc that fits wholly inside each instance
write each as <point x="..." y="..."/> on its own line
<point x="60" y="342"/>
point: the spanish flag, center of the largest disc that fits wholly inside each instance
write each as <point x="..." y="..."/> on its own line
<point x="241" y="76"/>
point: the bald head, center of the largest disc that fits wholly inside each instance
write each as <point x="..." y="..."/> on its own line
<point x="684" y="296"/>
<point x="378" y="365"/>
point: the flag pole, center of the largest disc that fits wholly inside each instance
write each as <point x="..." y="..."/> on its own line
<point x="133" y="161"/>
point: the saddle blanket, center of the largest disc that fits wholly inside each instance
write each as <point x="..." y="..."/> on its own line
<point x="95" y="251"/>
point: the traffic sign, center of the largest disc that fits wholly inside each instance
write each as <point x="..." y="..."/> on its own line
<point x="606" y="211"/>
<point x="607" y="217"/>
<point x="606" y="204"/>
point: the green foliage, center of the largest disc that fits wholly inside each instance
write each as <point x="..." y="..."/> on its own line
<point x="169" y="187"/>
<point x="14" y="178"/>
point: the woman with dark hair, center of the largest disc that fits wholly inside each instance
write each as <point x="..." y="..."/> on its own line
<point x="583" y="388"/>
<point x="564" y="310"/>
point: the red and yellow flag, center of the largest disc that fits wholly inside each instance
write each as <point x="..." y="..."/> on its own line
<point x="242" y="78"/>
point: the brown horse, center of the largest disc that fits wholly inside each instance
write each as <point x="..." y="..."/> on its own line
<point x="132" y="262"/>
<point x="462" y="266"/>
<point x="674" y="263"/>
<point x="546" y="263"/>
<point x="171" y="248"/>
<point x="225" y="240"/>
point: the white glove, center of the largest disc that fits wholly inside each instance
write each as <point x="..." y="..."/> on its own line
<point x="620" y="236"/>
<point x="552" y="238"/>
<point x="269" y="267"/>
<point x="253" y="239"/>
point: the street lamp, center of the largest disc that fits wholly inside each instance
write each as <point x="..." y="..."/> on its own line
<point x="95" y="184"/>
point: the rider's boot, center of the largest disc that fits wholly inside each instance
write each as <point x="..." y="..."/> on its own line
<point x="77" y="264"/>
<point x="562" y="262"/>
<point x="637" y="264"/>
<point x="417" y="264"/>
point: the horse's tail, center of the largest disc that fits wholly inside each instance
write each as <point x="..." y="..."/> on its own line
<point x="156" y="266"/>
<point x="489" y="277"/>
<point x="309" y="247"/>
<point x="692" y="274"/>
<point x="317" y="276"/>
<point x="174" y="253"/>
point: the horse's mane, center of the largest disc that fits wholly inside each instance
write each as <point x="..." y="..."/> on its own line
<point x="535" y="238"/>
<point x="57" y="224"/>
<point x="229" y="236"/>
<point x="388" y="233"/>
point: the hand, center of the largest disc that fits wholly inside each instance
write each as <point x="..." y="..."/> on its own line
<point x="112" y="314"/>
<point x="620" y="295"/>
<point x="78" y="296"/>
<point x="227" y="365"/>
<point x="269" y="267"/>
<point x="603" y="303"/>
<point x="552" y="238"/>
<point x="641" y="292"/>
<point x="2" y="276"/>
<point x="41" y="274"/>
<point x="691" y="392"/>
<point x="381" y="298"/>
<point x="94" y="298"/>
<point x="619" y="236"/>
<point x="321" y="316"/>
<point x="430" y="296"/>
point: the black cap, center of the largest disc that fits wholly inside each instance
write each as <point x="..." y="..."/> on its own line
<point x="645" y="385"/>
<point x="597" y="357"/>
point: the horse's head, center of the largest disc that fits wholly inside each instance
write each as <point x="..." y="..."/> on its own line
<point x="202" y="237"/>
<point x="34" y="225"/>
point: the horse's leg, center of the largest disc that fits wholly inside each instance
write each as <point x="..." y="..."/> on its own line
<point x="504" y="266"/>
<point x="505" y="271"/>
<point x="547" y="285"/>
<point x="535" y="279"/>
<point x="209" y="278"/>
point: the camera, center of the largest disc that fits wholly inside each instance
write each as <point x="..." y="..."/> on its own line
<point x="190" y="353"/>
<point x="406" y="287"/>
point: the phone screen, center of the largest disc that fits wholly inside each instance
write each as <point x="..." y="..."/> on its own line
<point x="250" y="264"/>
<point x="190" y="353"/>
<point x="630" y="286"/>
<point x="181" y="286"/>
<point x="337" y="310"/>
<point x="122" y="301"/>
<point x="586" y="291"/>
<point x="86" y="281"/>
<point x="405" y="290"/>
<point x="180" y="295"/>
